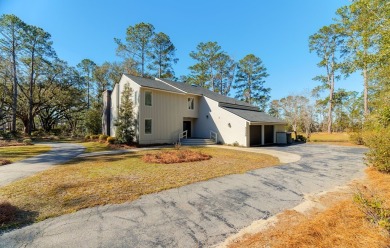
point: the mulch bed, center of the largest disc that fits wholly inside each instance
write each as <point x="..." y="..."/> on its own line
<point x="7" y="212"/>
<point x="176" y="156"/>
<point x="4" y="162"/>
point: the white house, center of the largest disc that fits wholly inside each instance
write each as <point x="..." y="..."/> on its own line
<point x="165" y="110"/>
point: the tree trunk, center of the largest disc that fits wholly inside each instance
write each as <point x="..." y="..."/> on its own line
<point x="15" y="85"/>
<point x="330" y="111"/>
<point x="365" y="92"/>
<point x="30" y="100"/>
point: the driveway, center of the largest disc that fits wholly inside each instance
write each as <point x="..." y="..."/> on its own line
<point x="201" y="214"/>
<point x="60" y="153"/>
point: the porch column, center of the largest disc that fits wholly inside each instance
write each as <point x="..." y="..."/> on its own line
<point x="262" y="134"/>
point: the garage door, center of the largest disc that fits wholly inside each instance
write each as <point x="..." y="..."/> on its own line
<point x="268" y="134"/>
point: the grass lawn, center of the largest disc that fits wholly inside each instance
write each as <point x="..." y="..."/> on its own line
<point x="92" y="146"/>
<point x="116" y="179"/>
<point x="16" y="153"/>
<point x="329" y="137"/>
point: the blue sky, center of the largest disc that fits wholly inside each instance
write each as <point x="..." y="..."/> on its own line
<point x="276" y="31"/>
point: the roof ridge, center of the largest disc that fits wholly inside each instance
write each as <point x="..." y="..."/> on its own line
<point x="159" y="79"/>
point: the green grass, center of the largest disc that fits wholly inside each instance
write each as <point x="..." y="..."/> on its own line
<point x="16" y="153"/>
<point x="92" y="146"/>
<point x="116" y="179"/>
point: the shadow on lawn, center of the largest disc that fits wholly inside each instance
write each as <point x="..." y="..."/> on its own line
<point x="12" y="217"/>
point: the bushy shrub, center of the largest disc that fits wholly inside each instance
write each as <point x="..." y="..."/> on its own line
<point x="27" y="141"/>
<point x="95" y="136"/>
<point x="38" y="133"/>
<point x="87" y="137"/>
<point x="374" y="208"/>
<point x="103" y="137"/>
<point x="356" y="138"/>
<point x="301" y="138"/>
<point x="111" y="140"/>
<point x="378" y="142"/>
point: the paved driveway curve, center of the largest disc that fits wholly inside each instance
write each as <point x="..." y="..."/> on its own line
<point x="60" y="153"/>
<point x="200" y="214"/>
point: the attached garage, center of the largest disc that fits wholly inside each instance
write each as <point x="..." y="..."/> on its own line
<point x="261" y="127"/>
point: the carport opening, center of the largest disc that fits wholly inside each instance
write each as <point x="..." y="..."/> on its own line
<point x="268" y="134"/>
<point x="255" y="135"/>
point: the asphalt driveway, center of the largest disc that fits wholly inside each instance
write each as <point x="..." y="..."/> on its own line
<point x="201" y="214"/>
<point x="59" y="154"/>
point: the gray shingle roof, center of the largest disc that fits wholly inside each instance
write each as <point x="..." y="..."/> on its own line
<point x="151" y="83"/>
<point x="255" y="116"/>
<point x="205" y="92"/>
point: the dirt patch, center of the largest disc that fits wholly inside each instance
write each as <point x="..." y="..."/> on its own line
<point x="175" y="156"/>
<point x="11" y="143"/>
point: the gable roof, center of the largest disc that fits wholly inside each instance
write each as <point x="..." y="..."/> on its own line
<point x="153" y="84"/>
<point x="242" y="109"/>
<point x="254" y="116"/>
<point x="205" y="92"/>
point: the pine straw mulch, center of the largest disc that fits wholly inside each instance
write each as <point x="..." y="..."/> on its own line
<point x="4" y="162"/>
<point x="341" y="224"/>
<point x="175" y="156"/>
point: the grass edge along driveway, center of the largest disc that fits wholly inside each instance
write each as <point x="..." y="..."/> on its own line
<point x="116" y="179"/>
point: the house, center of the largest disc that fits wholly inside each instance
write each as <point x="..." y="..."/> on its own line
<point x="165" y="110"/>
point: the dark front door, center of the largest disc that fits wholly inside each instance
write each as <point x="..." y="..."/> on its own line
<point x="187" y="126"/>
<point x="268" y="134"/>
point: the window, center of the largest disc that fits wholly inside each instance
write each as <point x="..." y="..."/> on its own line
<point x="148" y="98"/>
<point x="148" y="126"/>
<point x="190" y="103"/>
<point x="135" y="97"/>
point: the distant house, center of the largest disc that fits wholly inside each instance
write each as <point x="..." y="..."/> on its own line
<point x="166" y="110"/>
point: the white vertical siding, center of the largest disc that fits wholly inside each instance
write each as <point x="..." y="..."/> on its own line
<point x="218" y="121"/>
<point x="167" y="112"/>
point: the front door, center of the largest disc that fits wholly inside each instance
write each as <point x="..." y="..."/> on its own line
<point x="187" y="127"/>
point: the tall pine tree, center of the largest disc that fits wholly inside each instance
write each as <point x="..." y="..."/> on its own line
<point x="250" y="79"/>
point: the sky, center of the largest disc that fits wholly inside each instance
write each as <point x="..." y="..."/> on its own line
<point x="276" y="31"/>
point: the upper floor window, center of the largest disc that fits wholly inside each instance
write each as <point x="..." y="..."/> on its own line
<point x="135" y="97"/>
<point x="190" y="103"/>
<point x="148" y="98"/>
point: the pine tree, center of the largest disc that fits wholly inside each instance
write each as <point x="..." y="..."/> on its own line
<point x="250" y="81"/>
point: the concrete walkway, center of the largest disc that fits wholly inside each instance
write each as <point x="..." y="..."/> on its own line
<point x="201" y="214"/>
<point x="60" y="153"/>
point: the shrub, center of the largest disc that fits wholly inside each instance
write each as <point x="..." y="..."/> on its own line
<point x="356" y="138"/>
<point x="235" y="143"/>
<point x="27" y="141"/>
<point x="95" y="136"/>
<point x="177" y="146"/>
<point x="374" y="209"/>
<point x="111" y="140"/>
<point x="103" y="137"/>
<point x="301" y="138"/>
<point x="378" y="142"/>
<point x="87" y="137"/>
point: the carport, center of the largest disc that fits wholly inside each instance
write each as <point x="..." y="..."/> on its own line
<point x="262" y="134"/>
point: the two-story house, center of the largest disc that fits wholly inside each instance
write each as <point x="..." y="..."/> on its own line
<point x="165" y="110"/>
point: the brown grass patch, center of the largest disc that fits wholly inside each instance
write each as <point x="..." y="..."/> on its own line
<point x="16" y="153"/>
<point x="175" y="156"/>
<point x="341" y="224"/>
<point x="120" y="178"/>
